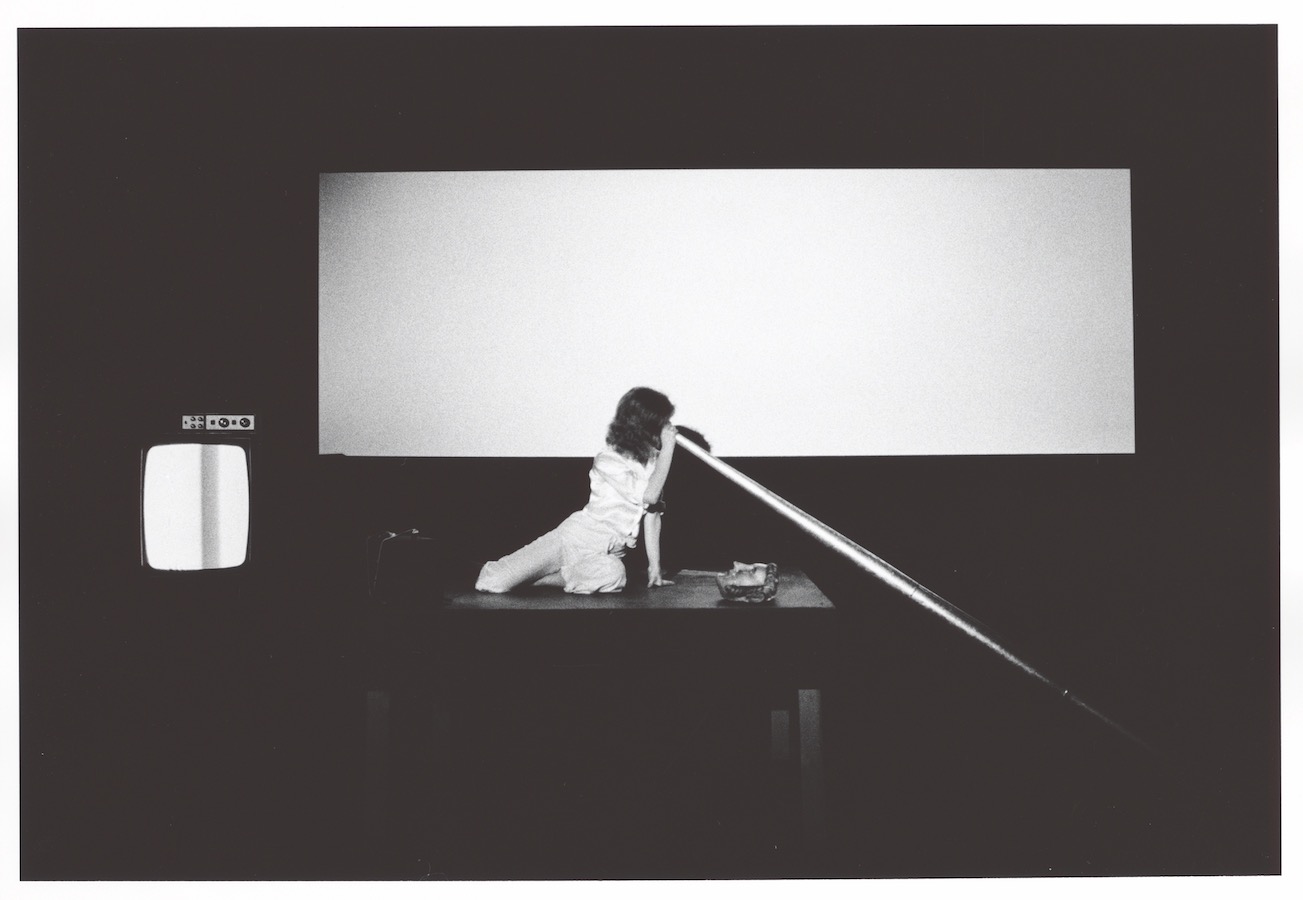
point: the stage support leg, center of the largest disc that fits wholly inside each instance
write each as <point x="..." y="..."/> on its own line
<point x="810" y="730"/>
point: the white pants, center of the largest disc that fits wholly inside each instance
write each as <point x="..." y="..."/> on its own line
<point x="585" y="553"/>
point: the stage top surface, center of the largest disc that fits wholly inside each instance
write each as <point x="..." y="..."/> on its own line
<point x="691" y="590"/>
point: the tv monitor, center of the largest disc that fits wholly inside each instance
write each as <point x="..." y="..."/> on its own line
<point x="195" y="503"/>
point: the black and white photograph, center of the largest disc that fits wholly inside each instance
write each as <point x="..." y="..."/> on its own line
<point x="660" y="453"/>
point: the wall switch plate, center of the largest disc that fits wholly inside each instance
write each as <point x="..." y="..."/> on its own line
<point x="230" y="423"/>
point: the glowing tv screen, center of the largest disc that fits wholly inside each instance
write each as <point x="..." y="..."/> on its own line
<point x="195" y="506"/>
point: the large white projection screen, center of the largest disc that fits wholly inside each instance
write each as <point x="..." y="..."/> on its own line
<point x="785" y="312"/>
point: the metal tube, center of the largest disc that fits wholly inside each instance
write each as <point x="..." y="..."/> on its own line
<point x="886" y="573"/>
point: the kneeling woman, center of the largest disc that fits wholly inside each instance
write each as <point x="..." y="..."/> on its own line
<point x="583" y="553"/>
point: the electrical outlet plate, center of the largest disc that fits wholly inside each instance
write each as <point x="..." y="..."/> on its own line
<point x="217" y="423"/>
<point x="229" y="423"/>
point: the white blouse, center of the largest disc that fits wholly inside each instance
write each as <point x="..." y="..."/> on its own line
<point x="617" y="493"/>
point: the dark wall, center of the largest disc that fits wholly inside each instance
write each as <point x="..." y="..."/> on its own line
<point x="208" y="726"/>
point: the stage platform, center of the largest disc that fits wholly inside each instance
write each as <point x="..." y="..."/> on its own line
<point x="691" y="590"/>
<point x="780" y="651"/>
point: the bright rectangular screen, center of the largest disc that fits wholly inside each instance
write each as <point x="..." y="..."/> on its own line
<point x="785" y="312"/>
<point x="195" y="506"/>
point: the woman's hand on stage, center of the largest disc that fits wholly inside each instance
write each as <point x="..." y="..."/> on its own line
<point x="654" y="578"/>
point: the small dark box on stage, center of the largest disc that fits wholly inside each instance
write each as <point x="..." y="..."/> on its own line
<point x="403" y="568"/>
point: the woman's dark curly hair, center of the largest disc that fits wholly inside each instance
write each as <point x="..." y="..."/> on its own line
<point x="635" y="431"/>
